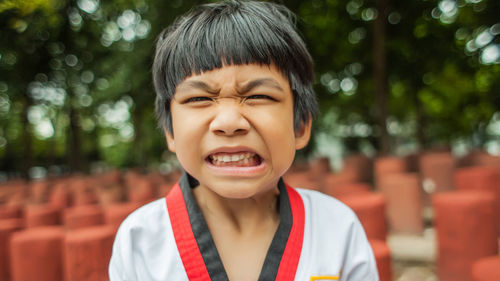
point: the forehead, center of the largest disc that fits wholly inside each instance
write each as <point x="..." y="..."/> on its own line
<point x="239" y="75"/>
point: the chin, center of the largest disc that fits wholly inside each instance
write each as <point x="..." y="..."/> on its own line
<point x="235" y="191"/>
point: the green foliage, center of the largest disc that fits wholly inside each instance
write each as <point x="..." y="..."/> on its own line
<point x="24" y="7"/>
<point x="435" y="82"/>
<point x="75" y="84"/>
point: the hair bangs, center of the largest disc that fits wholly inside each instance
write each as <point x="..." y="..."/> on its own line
<point x="229" y="39"/>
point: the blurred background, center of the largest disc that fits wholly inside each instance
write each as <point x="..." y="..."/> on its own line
<point x="410" y="88"/>
<point x="392" y="77"/>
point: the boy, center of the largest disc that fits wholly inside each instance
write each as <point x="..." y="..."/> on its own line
<point x="234" y="95"/>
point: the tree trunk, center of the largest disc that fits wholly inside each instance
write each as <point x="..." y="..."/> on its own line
<point x="27" y="139"/>
<point x="419" y="111"/>
<point x="51" y="160"/>
<point x="74" y="145"/>
<point x="140" y="153"/>
<point x="380" y="75"/>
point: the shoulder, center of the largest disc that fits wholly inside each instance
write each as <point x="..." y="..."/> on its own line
<point x="145" y="246"/>
<point x="328" y="217"/>
<point x="334" y="240"/>
<point x="145" y="223"/>
<point x="326" y="206"/>
<point x="149" y="215"/>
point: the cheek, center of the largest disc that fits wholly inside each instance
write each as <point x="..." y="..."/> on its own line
<point x="188" y="156"/>
<point x="186" y="123"/>
<point x="278" y="121"/>
<point x="186" y="132"/>
<point x="276" y="128"/>
<point x="282" y="146"/>
<point x="184" y="116"/>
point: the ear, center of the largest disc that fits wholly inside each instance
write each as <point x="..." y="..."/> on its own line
<point x="170" y="140"/>
<point x="303" y="134"/>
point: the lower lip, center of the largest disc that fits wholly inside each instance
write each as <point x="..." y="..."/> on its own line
<point x="244" y="171"/>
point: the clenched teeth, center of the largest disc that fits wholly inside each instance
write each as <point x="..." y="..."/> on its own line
<point x="238" y="159"/>
<point x="233" y="157"/>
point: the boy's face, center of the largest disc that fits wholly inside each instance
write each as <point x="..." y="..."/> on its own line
<point x="233" y="129"/>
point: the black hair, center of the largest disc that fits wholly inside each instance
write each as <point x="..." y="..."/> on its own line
<point x="233" y="32"/>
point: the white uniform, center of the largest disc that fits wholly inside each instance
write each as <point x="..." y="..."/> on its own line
<point x="318" y="238"/>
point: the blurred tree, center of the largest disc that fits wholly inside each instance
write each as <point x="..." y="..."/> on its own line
<point x="70" y="79"/>
<point x="436" y="69"/>
<point x="75" y="84"/>
<point x="431" y="75"/>
<point x="24" y="60"/>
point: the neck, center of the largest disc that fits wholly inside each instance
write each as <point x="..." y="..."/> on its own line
<point x="241" y="216"/>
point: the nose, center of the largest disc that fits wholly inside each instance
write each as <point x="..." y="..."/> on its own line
<point x="228" y="120"/>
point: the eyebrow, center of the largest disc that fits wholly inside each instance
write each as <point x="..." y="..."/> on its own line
<point x="196" y="84"/>
<point x="268" y="82"/>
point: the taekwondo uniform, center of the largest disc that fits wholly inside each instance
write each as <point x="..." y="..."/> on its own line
<point x="318" y="238"/>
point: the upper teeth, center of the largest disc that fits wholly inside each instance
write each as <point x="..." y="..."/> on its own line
<point x="232" y="157"/>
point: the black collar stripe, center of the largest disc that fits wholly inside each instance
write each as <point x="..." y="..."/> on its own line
<point x="197" y="249"/>
<point x="201" y="232"/>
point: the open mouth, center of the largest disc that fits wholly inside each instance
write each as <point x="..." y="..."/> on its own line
<point x="236" y="159"/>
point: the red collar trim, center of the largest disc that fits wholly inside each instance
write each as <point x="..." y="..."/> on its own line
<point x="291" y="256"/>
<point x="184" y="237"/>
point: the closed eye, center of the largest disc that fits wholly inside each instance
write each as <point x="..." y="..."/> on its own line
<point x="253" y="97"/>
<point x="197" y="99"/>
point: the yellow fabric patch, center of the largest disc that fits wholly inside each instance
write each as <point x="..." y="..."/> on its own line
<point x="318" y="278"/>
